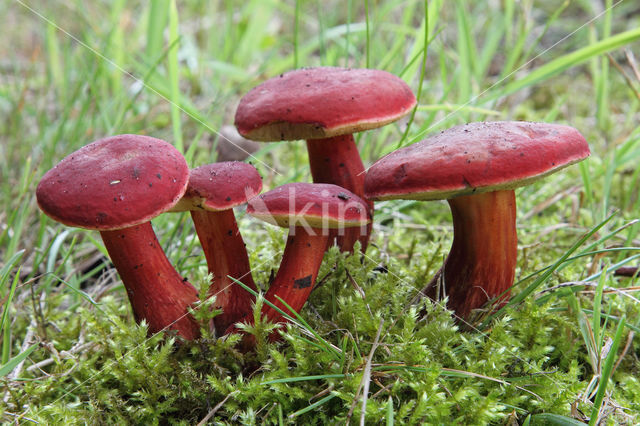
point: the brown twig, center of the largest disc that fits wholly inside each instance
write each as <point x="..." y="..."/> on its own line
<point x="213" y="411"/>
<point x="627" y="271"/>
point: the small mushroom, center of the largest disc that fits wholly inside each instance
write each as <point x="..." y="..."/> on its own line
<point x="213" y="191"/>
<point x="326" y="106"/>
<point x="310" y="211"/>
<point x="116" y="186"/>
<point x="476" y="167"/>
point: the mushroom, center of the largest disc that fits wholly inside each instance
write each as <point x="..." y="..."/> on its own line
<point x="325" y="106"/>
<point x="213" y="191"/>
<point x="476" y="168"/>
<point x="309" y="211"/>
<point x="116" y="185"/>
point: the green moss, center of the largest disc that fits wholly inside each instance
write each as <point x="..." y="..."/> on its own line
<point x="426" y="365"/>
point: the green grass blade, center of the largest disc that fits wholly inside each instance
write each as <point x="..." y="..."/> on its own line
<point x="587" y="333"/>
<point x="609" y="317"/>
<point x="586" y="181"/>
<point x="6" y="269"/>
<point x="423" y="68"/>
<point x="367" y="35"/>
<point x="553" y="18"/>
<point x="312" y="406"/>
<point x="156" y="23"/>
<point x="296" y="29"/>
<point x="8" y="367"/>
<point x="4" y="322"/>
<point x="328" y="347"/>
<point x="597" y="302"/>
<point x="606" y="372"/>
<point x="55" y="62"/>
<point x="255" y="293"/>
<point x="567" y="61"/>
<point x="259" y="14"/>
<point x="602" y="83"/>
<point x="465" y="56"/>
<point x="174" y="76"/>
<point x="116" y="47"/>
<point x="554" y="419"/>
<point x="305" y="378"/>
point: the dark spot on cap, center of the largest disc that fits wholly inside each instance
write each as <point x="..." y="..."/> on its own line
<point x="343" y="196"/>
<point x="230" y="232"/>
<point x="159" y="176"/>
<point x="228" y="198"/>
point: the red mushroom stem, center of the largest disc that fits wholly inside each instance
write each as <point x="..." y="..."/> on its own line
<point x="158" y="294"/>
<point x="336" y="160"/>
<point x="226" y="256"/>
<point x="482" y="261"/>
<point x="297" y="274"/>
<point x="294" y="281"/>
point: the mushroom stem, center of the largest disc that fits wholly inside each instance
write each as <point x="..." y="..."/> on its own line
<point x="294" y="281"/>
<point x="482" y="261"/>
<point x="336" y="160"/>
<point x="226" y="256"/>
<point x="158" y="294"/>
<point x="297" y="274"/>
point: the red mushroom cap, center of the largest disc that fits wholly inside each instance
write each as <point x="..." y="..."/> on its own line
<point x="220" y="186"/>
<point x="317" y="204"/>
<point x="473" y="158"/>
<point x="323" y="102"/>
<point x="113" y="183"/>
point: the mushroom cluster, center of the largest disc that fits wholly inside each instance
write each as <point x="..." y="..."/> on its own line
<point x="116" y="185"/>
